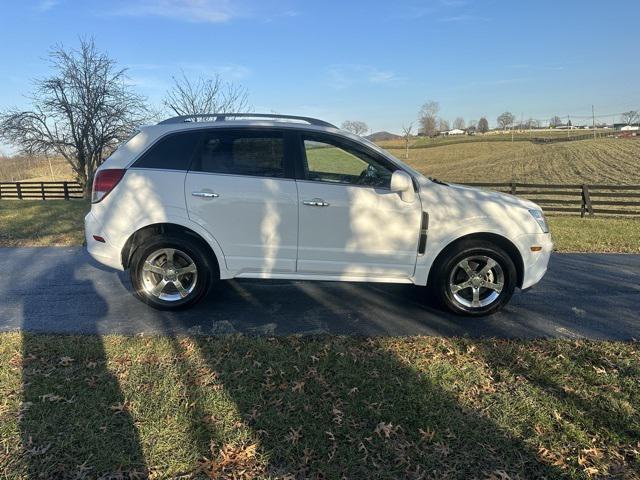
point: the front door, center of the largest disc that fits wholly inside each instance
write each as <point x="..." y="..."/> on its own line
<point x="240" y="189"/>
<point x="351" y="224"/>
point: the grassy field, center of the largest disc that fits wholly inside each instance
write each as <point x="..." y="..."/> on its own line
<point x="597" y="161"/>
<point x="23" y="167"/>
<point x="58" y="222"/>
<point x="238" y="407"/>
<point x="38" y="223"/>
<point x="608" y="235"/>
<point x="493" y="136"/>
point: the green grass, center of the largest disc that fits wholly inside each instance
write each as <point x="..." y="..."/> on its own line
<point x="28" y="223"/>
<point x="574" y="234"/>
<point x="84" y="406"/>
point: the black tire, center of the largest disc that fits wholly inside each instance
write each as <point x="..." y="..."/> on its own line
<point x="182" y="244"/>
<point x="447" y="270"/>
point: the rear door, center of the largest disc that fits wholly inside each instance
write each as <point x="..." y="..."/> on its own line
<point x="241" y="189"/>
<point x="351" y="223"/>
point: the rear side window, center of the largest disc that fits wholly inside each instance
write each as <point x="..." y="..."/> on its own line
<point x="173" y="152"/>
<point x="259" y="154"/>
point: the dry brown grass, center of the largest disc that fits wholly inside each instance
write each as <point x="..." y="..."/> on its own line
<point x="22" y="167"/>
<point x="598" y="161"/>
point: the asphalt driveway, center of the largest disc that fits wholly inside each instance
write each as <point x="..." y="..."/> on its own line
<point x="61" y="290"/>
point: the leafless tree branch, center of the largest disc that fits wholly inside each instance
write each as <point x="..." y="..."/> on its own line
<point x="81" y="112"/>
<point x="355" y="126"/>
<point x="205" y="95"/>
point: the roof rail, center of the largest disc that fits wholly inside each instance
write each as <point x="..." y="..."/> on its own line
<point x="221" y="117"/>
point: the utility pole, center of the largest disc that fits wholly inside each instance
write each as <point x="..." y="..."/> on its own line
<point x="521" y="121"/>
<point x="593" y="116"/>
<point x="568" y="125"/>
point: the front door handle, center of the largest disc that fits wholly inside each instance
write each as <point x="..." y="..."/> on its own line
<point x="316" y="202"/>
<point x="205" y="194"/>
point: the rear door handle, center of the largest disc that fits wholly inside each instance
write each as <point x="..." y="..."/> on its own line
<point x="205" y="194"/>
<point x="316" y="202"/>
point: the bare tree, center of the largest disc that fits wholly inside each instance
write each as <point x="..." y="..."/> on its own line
<point x="406" y="135"/>
<point x="355" y="126"/>
<point x="428" y="118"/>
<point x="532" y="123"/>
<point x="630" y="117"/>
<point x="443" y="125"/>
<point x="459" y="123"/>
<point x="555" y="121"/>
<point x="81" y="112"/>
<point x="205" y="95"/>
<point x="483" y="125"/>
<point x="505" y="120"/>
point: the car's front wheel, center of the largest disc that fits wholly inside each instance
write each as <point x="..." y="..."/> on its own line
<point x="474" y="278"/>
<point x="170" y="273"/>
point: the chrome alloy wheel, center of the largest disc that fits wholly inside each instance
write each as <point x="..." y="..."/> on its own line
<point x="169" y="274"/>
<point x="476" y="281"/>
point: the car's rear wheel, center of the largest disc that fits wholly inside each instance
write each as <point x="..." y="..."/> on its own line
<point x="474" y="278"/>
<point x="170" y="273"/>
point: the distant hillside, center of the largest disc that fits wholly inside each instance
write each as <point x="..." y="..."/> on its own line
<point x="382" y="137"/>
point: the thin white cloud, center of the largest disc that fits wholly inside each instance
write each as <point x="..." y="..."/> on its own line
<point x="464" y="18"/>
<point x="346" y="75"/>
<point x="46" y="5"/>
<point x="454" y="3"/>
<point x="204" y="11"/>
<point x="228" y="72"/>
<point x="197" y="11"/>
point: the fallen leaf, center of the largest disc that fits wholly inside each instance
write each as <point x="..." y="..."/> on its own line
<point x="65" y="361"/>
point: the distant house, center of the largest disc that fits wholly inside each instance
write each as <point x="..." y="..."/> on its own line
<point x="630" y="128"/>
<point x="455" y="131"/>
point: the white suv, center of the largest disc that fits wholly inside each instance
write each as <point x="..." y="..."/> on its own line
<point x="184" y="203"/>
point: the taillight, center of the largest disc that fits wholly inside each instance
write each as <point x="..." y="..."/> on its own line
<point x="105" y="181"/>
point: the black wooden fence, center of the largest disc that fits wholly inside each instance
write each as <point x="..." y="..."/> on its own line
<point x="585" y="199"/>
<point x="40" y="190"/>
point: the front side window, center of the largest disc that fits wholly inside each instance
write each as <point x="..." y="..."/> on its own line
<point x="259" y="154"/>
<point x="173" y="152"/>
<point x="329" y="161"/>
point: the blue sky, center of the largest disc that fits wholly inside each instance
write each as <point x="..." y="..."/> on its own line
<point x="367" y="60"/>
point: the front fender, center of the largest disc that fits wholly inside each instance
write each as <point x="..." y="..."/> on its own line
<point x="439" y="239"/>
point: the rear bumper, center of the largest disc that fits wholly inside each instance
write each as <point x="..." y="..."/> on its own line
<point x="102" y="252"/>
<point x="535" y="263"/>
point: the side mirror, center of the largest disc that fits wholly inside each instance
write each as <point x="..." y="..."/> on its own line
<point x="401" y="183"/>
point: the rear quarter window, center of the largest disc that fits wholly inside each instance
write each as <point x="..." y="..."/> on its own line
<point x="249" y="153"/>
<point x="173" y="152"/>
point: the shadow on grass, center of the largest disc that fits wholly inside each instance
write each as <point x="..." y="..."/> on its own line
<point x="75" y="421"/>
<point x="348" y="408"/>
<point x="587" y="392"/>
<point x="324" y="407"/>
